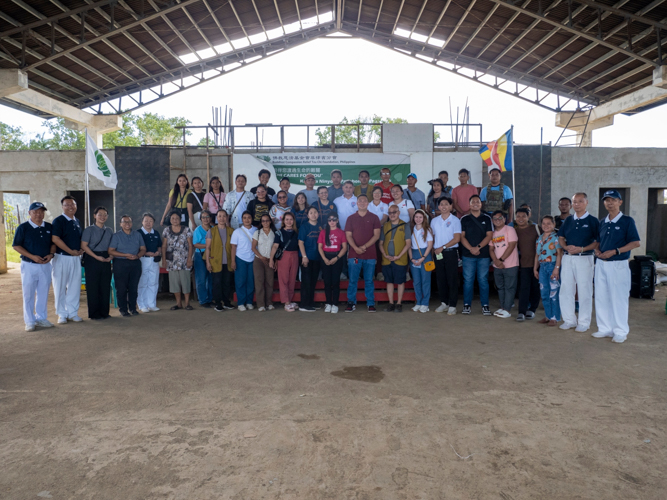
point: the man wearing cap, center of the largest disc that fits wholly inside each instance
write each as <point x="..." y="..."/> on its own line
<point x="66" y="234"/>
<point x="336" y="188"/>
<point x="416" y="196"/>
<point x="33" y="241"/>
<point x="618" y="236"/>
<point x="310" y="192"/>
<point x="497" y="196"/>
<point x="578" y="236"/>
<point x="284" y="186"/>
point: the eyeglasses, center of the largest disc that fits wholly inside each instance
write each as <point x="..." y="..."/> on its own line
<point x="205" y="217"/>
<point x="385" y="173"/>
<point x="282" y="197"/>
<point x="499" y="218"/>
<point x="333" y="219"/>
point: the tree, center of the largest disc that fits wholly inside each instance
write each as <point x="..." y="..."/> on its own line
<point x="202" y="142"/>
<point x="126" y="136"/>
<point x="368" y="134"/>
<point x="11" y="138"/>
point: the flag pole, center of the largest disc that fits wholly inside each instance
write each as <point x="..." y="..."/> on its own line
<point x="87" y="201"/>
<point x="513" y="179"/>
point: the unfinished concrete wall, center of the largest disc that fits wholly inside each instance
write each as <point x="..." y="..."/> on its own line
<point x="589" y="169"/>
<point x="3" y="239"/>
<point x="196" y="166"/>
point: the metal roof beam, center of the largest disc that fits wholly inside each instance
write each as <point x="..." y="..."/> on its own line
<point x="176" y="31"/>
<point x="421" y="11"/>
<point x="574" y="31"/>
<point x="400" y="9"/>
<point x="298" y="12"/>
<point x="459" y="23"/>
<point x="259" y="18"/>
<point x="280" y="19"/>
<point x="479" y="28"/>
<point x="502" y="30"/>
<point x="238" y="19"/>
<point x="217" y="22"/>
<point x="129" y="26"/>
<point x="437" y="23"/>
<point x="199" y="30"/>
<point x="624" y="13"/>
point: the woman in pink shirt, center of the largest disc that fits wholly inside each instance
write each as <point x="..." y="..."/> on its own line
<point x="215" y="197"/>
<point x="332" y="245"/>
<point x="462" y="193"/>
<point x="505" y="258"/>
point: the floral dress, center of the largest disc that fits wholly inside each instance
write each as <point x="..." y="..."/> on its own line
<point x="177" y="245"/>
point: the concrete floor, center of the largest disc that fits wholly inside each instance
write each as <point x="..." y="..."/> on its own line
<point x="206" y="405"/>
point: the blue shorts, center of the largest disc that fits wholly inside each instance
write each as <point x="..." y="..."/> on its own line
<point x="394" y="273"/>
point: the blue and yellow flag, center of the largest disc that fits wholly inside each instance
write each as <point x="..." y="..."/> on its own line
<point x="498" y="154"/>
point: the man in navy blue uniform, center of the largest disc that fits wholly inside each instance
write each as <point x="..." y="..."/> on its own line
<point x="33" y="241"/>
<point x="618" y="236"/>
<point x="66" y="236"/>
<point x="578" y="236"/>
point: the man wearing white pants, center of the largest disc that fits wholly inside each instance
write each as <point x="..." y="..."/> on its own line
<point x="618" y="236"/>
<point x="579" y="238"/>
<point x="33" y="241"/>
<point x="67" y="262"/>
<point x="150" y="265"/>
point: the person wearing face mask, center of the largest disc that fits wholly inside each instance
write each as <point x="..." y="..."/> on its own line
<point x="236" y="202"/>
<point x="66" y="235"/>
<point x="97" y="265"/>
<point x="150" y="265"/>
<point x="32" y="240"/>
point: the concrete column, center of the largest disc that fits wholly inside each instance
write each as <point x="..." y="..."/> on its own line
<point x="582" y="125"/>
<point x="3" y="247"/>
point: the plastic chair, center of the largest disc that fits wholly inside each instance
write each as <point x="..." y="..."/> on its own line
<point x="114" y="296"/>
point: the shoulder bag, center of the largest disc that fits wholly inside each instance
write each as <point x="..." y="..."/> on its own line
<point x="281" y="249"/>
<point x="428" y="265"/>
<point x="197" y="214"/>
<point x="83" y="256"/>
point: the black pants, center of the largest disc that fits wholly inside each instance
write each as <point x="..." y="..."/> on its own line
<point x="447" y="274"/>
<point x="529" y="290"/>
<point x="222" y="287"/>
<point x="98" y="286"/>
<point x="331" y="277"/>
<point x="308" y="281"/>
<point x="127" y="273"/>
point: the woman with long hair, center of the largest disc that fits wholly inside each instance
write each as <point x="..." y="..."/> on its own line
<point x="203" y="277"/>
<point x="195" y="202"/>
<point x="422" y="244"/>
<point x="242" y="262"/>
<point x="97" y="264"/>
<point x="437" y="192"/>
<point x="547" y="270"/>
<point x="214" y="199"/>
<point x="310" y="260"/>
<point x="300" y="209"/>
<point x="287" y="264"/>
<point x="262" y="244"/>
<point x="219" y="261"/>
<point x="178" y="201"/>
<point x="332" y="247"/>
<point x="406" y="207"/>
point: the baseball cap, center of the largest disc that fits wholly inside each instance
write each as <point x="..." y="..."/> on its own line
<point x="36" y="205"/>
<point x="310" y="175"/>
<point x="612" y="193"/>
<point x="412" y="174"/>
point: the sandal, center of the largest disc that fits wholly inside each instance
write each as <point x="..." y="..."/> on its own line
<point x="189" y="308"/>
<point x="176" y="308"/>
<point x="544" y="320"/>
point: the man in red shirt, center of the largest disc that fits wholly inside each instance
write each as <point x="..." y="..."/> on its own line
<point x="386" y="185"/>
<point x="462" y="193"/>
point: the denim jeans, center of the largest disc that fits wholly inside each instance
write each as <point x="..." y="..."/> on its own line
<point x="244" y="279"/>
<point x="551" y="304"/>
<point x="367" y="266"/>
<point x="203" y="280"/>
<point x="476" y="266"/>
<point x="421" y="278"/>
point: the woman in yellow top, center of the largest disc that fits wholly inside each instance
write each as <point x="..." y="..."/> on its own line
<point x="178" y="200"/>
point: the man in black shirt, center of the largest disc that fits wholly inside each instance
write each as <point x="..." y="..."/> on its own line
<point x="476" y="233"/>
<point x="264" y="178"/>
<point x="33" y="241"/>
<point x="66" y="236"/>
<point x="564" y="206"/>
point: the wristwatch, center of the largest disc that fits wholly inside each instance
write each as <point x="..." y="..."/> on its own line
<point x="618" y="252"/>
<point x="501" y="259"/>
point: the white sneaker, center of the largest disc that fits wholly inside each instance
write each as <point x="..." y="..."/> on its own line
<point x="327" y="308"/>
<point x="62" y="320"/>
<point x="249" y="307"/>
<point x="270" y="308"/>
<point x="44" y="323"/>
<point x="618" y="339"/>
<point x="241" y="308"/>
<point x="261" y="309"/>
<point x="451" y="311"/>
<point x="76" y="319"/>
<point x="153" y="309"/>
<point x="495" y="313"/>
<point x="503" y="314"/>
<point x="565" y="326"/>
<point x="581" y="329"/>
<point x="423" y="309"/>
<point x="601" y="335"/>
<point x="30" y="328"/>
<point x="442" y="308"/>
<point x="145" y="310"/>
<point x="417" y="308"/>
<point x="334" y="309"/>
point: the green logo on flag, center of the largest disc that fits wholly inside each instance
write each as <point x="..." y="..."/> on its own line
<point x="101" y="164"/>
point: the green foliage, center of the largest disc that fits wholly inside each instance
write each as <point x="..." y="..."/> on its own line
<point x="12" y="255"/>
<point x="11" y="220"/>
<point x="368" y="134"/>
<point x="202" y="142"/>
<point x="149" y="129"/>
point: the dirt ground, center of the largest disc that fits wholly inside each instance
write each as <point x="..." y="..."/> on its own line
<point x="206" y="405"/>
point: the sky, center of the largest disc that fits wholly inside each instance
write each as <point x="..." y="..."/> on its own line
<point x="324" y="80"/>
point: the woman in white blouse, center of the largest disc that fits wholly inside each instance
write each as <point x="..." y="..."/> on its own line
<point x="262" y="243"/>
<point x="406" y="207"/>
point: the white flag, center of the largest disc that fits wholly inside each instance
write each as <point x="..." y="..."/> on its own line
<point x="98" y="164"/>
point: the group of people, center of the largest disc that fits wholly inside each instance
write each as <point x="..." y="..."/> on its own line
<point x="241" y="240"/>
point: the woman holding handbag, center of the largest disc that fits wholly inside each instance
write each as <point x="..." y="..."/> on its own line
<point x="97" y="264"/>
<point x="422" y="262"/>
<point x="285" y="259"/>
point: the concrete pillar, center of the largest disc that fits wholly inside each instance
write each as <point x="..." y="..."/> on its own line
<point x="3" y="247"/>
<point x="582" y="125"/>
<point x="12" y="81"/>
